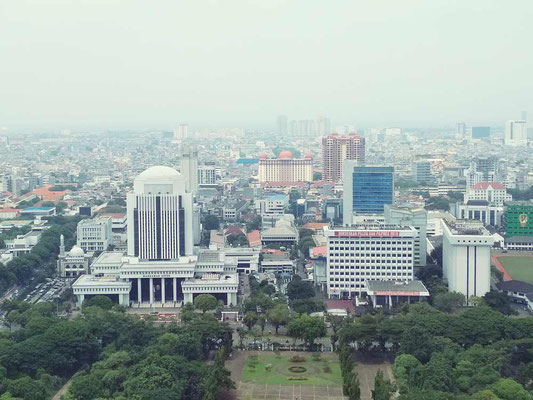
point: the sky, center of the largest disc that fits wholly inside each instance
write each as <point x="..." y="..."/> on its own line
<point x="158" y="63"/>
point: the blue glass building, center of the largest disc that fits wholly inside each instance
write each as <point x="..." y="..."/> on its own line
<point x="367" y="189"/>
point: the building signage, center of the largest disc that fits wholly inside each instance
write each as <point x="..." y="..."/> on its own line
<point x="156" y="276"/>
<point x="389" y="293"/>
<point x="387" y="234"/>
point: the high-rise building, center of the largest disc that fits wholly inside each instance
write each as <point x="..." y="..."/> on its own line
<point x="285" y="168"/>
<point x="282" y="125"/>
<point x="207" y="175"/>
<point x="160" y="216"/>
<point x="515" y="133"/>
<point x="519" y="218"/>
<point x="415" y="217"/>
<point x="466" y="257"/>
<point x="94" y="234"/>
<point x="480" y="132"/>
<point x="360" y="253"/>
<point x="489" y="167"/>
<point x="460" y="130"/>
<point x="336" y="149"/>
<point x="181" y="132"/>
<point x="523" y="115"/>
<point x="366" y="189"/>
<point x="323" y="126"/>
<point x="422" y="172"/>
<point x="189" y="168"/>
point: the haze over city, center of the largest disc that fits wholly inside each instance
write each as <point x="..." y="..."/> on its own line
<point x="110" y="64"/>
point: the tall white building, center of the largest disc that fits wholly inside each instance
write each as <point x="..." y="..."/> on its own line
<point x="515" y="133"/>
<point x="360" y="253"/>
<point x="189" y="168"/>
<point x="466" y="257"/>
<point x="207" y="175"/>
<point x="160" y="216"/>
<point x="181" y="132"/>
<point x="94" y="234"/>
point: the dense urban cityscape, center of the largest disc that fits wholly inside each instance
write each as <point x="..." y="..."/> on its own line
<point x="266" y="200"/>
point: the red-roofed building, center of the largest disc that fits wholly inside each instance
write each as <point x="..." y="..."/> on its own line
<point x="254" y="239"/>
<point x="316" y="226"/>
<point x="233" y="231"/>
<point x="9" y="213"/>
<point x="492" y="192"/>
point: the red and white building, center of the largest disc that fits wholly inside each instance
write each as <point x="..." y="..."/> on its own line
<point x="337" y="148"/>
<point x="285" y="168"/>
<point x="492" y="192"/>
<point x="360" y="253"/>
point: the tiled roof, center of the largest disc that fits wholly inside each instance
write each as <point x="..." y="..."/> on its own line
<point x="485" y="185"/>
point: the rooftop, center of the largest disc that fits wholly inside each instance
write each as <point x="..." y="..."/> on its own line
<point x="486" y="185"/>
<point x="466" y="227"/>
<point x="396" y="287"/>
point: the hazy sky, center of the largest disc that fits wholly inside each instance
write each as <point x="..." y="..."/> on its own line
<point x="113" y="63"/>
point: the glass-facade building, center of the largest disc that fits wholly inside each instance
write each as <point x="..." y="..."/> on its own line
<point x="372" y="188"/>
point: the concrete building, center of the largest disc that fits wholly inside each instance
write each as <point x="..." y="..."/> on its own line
<point x="189" y="168"/>
<point x="466" y="257"/>
<point x="272" y="206"/>
<point x="491" y="192"/>
<point x="422" y="172"/>
<point x="277" y="263"/>
<point x="285" y="168"/>
<point x="519" y="217"/>
<point x="415" y="217"/>
<point x="207" y="175"/>
<point x="94" y="234"/>
<point x="160" y="268"/>
<point x="516" y="133"/>
<point x="282" y="232"/>
<point x="336" y="149"/>
<point x="366" y="189"/>
<point x="480" y="210"/>
<point x="387" y="294"/>
<point x="480" y="132"/>
<point x="360" y="253"/>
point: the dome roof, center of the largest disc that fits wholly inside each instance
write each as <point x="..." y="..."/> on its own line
<point x="308" y="155"/>
<point x="158" y="172"/>
<point x="285" y="154"/>
<point x="76" y="251"/>
<point x="262" y="156"/>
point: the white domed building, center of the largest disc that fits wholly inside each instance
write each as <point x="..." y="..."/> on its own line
<point x="161" y="267"/>
<point x="73" y="263"/>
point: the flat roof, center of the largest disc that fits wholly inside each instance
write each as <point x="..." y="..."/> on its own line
<point x="109" y="257"/>
<point x="213" y="278"/>
<point x="106" y="280"/>
<point x="35" y="209"/>
<point x="396" y="288"/>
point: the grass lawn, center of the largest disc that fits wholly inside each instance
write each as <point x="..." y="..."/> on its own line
<point x="268" y="368"/>
<point x="520" y="268"/>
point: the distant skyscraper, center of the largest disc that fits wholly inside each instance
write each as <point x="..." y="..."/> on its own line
<point x="189" y="168"/>
<point x="323" y="126"/>
<point x="366" y="189"/>
<point x="515" y="133"/>
<point x="480" y="132"/>
<point x="181" y="132"/>
<point x="523" y="116"/>
<point x="336" y="149"/>
<point x="160" y="216"/>
<point x="282" y="125"/>
<point x="460" y="130"/>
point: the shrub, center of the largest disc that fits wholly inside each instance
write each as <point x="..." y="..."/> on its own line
<point x="297" y="359"/>
<point x="316" y="357"/>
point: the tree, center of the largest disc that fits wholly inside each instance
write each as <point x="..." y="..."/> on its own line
<point x="306" y="328"/>
<point x="307" y="306"/>
<point x="278" y="316"/>
<point x="486" y="395"/>
<point x="104" y="302"/>
<point x="298" y="289"/>
<point x="211" y="222"/>
<point x="499" y="301"/>
<point x="317" y="176"/>
<point x="509" y="389"/>
<point x="438" y="203"/>
<point x="449" y="301"/>
<point x="250" y="319"/>
<point x="436" y="254"/>
<point x="383" y="388"/>
<point x="205" y="302"/>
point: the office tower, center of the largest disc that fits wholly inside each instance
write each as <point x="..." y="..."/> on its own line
<point x="460" y="130"/>
<point x="480" y="132"/>
<point x="489" y="167"/>
<point x="366" y="189"/>
<point x="207" y="175"/>
<point x="523" y="116"/>
<point x="160" y="216"/>
<point x="181" y="132"/>
<point x="282" y="124"/>
<point x="472" y="175"/>
<point x="515" y="133"/>
<point x="94" y="234"/>
<point x="285" y="168"/>
<point x="422" y="172"/>
<point x="336" y="149"/>
<point x="415" y="217"/>
<point x="323" y="126"/>
<point x="189" y="168"/>
<point x="359" y="253"/>
<point x="466" y="257"/>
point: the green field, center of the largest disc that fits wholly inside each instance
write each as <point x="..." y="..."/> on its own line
<point x="520" y="268"/>
<point x="269" y="368"/>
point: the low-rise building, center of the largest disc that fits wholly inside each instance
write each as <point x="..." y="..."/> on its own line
<point x="491" y="192"/>
<point x="387" y="294"/>
<point x="95" y="234"/>
<point x="481" y="210"/>
<point x="277" y="263"/>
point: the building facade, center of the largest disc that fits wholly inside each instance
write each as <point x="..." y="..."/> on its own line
<point x="491" y="192"/>
<point x="466" y="258"/>
<point x="360" y="253"/>
<point x="336" y="149"/>
<point x="285" y="168"/>
<point x="515" y="133"/>
<point x="422" y="172"/>
<point x="366" y="189"/>
<point x="94" y="234"/>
